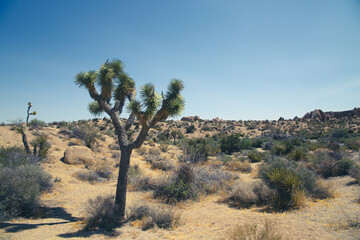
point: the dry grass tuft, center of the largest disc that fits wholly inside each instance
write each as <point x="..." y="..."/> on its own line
<point x="254" y="232"/>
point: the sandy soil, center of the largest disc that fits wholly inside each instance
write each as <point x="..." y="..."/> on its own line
<point x="62" y="216"/>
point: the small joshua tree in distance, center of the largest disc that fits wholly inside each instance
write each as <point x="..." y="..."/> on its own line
<point x="116" y="87"/>
<point x="29" y="113"/>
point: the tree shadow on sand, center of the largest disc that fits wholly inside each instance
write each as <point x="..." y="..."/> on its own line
<point x="84" y="233"/>
<point x="45" y="213"/>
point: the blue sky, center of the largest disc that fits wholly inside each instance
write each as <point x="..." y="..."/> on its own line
<point x="238" y="59"/>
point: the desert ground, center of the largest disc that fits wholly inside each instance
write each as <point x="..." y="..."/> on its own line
<point x="63" y="209"/>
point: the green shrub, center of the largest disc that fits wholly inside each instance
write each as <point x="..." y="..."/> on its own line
<point x="234" y="143"/>
<point x="36" y="123"/>
<point x="298" y="154"/>
<point x="278" y="149"/>
<point x="21" y="183"/>
<point x="340" y="133"/>
<point x="328" y="164"/>
<point x="286" y="179"/>
<point x="190" y="129"/>
<point x="41" y="146"/>
<point x="198" y="149"/>
<point x="255" y="156"/>
<point x="353" y="144"/>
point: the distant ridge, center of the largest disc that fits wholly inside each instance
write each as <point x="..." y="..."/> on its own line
<point x="319" y="115"/>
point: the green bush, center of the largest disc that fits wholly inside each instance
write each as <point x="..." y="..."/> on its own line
<point x="36" y="123"/>
<point x="328" y="164"/>
<point x="286" y="179"/>
<point x="198" y="149"/>
<point x="41" y="146"/>
<point x="298" y="154"/>
<point x="234" y="143"/>
<point x="255" y="156"/>
<point x="190" y="129"/>
<point x="353" y="144"/>
<point x="21" y="183"/>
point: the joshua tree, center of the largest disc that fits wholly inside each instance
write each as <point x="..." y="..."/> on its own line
<point x="175" y="134"/>
<point x="29" y="113"/>
<point x="21" y="128"/>
<point x="116" y="87"/>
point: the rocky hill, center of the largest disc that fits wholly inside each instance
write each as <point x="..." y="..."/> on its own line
<point x="319" y="115"/>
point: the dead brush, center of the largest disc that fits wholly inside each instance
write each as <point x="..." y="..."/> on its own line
<point x="150" y="216"/>
<point x="244" y="195"/>
<point x="243" y="167"/>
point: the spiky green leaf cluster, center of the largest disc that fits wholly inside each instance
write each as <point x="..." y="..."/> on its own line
<point x="85" y="79"/>
<point x="125" y="88"/>
<point x="150" y="99"/>
<point x="173" y="101"/>
<point x="95" y="109"/>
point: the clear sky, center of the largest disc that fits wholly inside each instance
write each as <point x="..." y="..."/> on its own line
<point x="239" y="59"/>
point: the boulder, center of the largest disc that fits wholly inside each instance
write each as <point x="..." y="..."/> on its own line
<point x="78" y="155"/>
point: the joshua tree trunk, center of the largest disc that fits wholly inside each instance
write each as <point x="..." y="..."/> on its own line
<point x="25" y="142"/>
<point x="120" y="198"/>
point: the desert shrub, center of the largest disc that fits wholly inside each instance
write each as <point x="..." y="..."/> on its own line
<point x="153" y="216"/>
<point x="323" y="190"/>
<point x="100" y="174"/>
<point x="298" y="154"/>
<point x="244" y="195"/>
<point x="231" y="143"/>
<point x="353" y="144"/>
<point x="158" y="162"/>
<point x="278" y="149"/>
<point x="142" y="150"/>
<point x="257" y="142"/>
<point x="86" y="133"/>
<point x="189" y="181"/>
<point x="355" y="172"/>
<point x="242" y="166"/>
<point x="21" y="185"/>
<point x="41" y="146"/>
<point x="209" y="181"/>
<point x="331" y="164"/>
<point x="255" y="156"/>
<point x="101" y="213"/>
<point x="286" y="179"/>
<point x="340" y="133"/>
<point x="197" y="150"/>
<point x="190" y="129"/>
<point x="235" y="143"/>
<point x="36" y="123"/>
<point x="253" y="232"/>
<point x="15" y="156"/>
<point x="224" y="158"/>
<point x="164" y="147"/>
